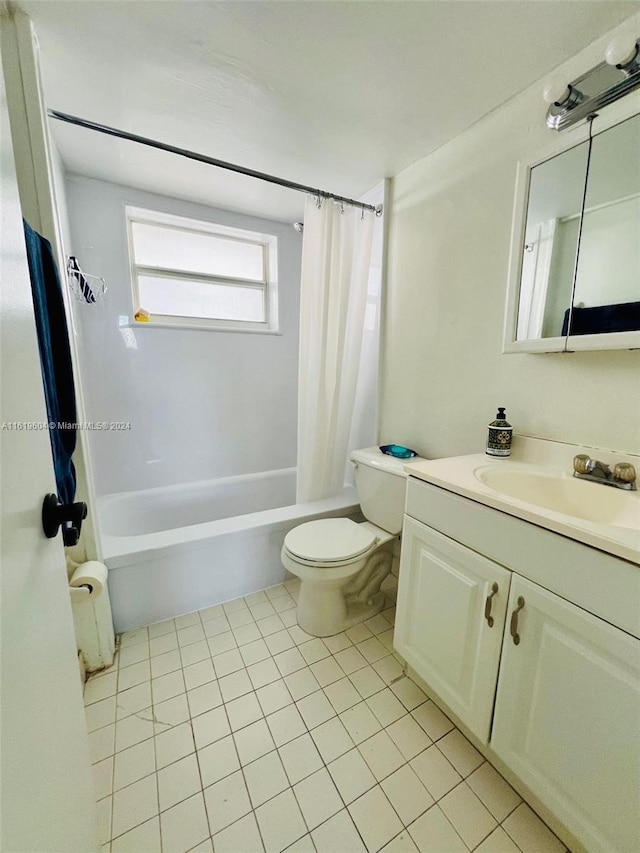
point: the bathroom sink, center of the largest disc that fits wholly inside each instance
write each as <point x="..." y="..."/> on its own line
<point x="536" y="485"/>
<point x="577" y="498"/>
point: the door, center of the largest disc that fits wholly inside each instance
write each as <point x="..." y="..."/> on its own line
<point x="451" y="613"/>
<point x="47" y="801"/>
<point x="567" y="716"/>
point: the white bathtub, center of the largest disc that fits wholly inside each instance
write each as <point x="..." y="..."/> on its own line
<point x="181" y="548"/>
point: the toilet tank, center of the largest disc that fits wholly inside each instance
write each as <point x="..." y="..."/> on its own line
<point x="381" y="482"/>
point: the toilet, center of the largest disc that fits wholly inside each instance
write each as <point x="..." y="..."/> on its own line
<point x="342" y="563"/>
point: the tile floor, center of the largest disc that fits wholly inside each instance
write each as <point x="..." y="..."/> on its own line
<point x="231" y="730"/>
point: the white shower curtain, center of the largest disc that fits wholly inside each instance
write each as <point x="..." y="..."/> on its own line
<point x="336" y="256"/>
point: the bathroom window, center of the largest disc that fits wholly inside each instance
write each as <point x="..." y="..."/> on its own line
<point x="187" y="272"/>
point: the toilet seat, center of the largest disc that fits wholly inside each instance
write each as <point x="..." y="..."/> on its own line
<point x="329" y="542"/>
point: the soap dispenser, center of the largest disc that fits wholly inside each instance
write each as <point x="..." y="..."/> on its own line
<point x="499" y="436"/>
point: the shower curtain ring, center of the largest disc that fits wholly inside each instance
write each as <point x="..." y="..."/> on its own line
<point x="342" y="208"/>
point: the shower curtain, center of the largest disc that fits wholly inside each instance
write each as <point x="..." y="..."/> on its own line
<point x="336" y="257"/>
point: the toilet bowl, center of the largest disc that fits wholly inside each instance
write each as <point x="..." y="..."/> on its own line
<point x="341" y="565"/>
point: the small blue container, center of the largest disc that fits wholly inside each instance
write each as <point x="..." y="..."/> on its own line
<point x="398" y="451"/>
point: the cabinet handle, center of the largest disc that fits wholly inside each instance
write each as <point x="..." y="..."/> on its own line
<point x="488" y="603"/>
<point x="513" y="628"/>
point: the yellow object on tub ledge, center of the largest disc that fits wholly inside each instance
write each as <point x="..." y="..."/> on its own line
<point x="141" y="316"/>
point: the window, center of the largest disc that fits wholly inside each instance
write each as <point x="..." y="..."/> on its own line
<point x="186" y="272"/>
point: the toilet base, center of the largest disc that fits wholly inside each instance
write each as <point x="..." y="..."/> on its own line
<point x="361" y="610"/>
<point x="322" y="609"/>
<point x="327" y="607"/>
<point x="343" y="615"/>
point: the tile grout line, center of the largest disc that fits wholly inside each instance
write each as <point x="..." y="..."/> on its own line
<point x="326" y="767"/>
<point x="113" y="757"/>
<point x="321" y="688"/>
<point x="308" y="731"/>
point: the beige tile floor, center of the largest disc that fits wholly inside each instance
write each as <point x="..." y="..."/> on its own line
<point x="231" y="730"/>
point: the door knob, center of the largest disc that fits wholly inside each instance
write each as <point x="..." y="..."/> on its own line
<point x="67" y="516"/>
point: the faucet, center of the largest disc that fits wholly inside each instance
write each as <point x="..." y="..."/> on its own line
<point x="623" y="475"/>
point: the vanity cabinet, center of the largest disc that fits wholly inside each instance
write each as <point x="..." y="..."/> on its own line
<point x="550" y="688"/>
<point x="452" y="609"/>
<point x="567" y="715"/>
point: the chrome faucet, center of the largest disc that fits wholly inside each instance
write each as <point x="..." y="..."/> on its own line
<point x="623" y="475"/>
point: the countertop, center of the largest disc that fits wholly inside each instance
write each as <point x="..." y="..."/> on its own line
<point x="458" y="474"/>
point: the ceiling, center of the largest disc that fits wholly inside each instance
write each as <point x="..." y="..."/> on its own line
<point x="336" y="95"/>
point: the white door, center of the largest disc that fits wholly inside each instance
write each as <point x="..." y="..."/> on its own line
<point x="451" y="613"/>
<point x="567" y="717"/>
<point x="47" y="800"/>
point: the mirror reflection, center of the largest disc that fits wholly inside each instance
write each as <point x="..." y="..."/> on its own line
<point x="580" y="271"/>
<point x="556" y="191"/>
<point x="607" y="289"/>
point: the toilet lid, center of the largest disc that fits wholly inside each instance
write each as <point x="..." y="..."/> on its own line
<point x="329" y="540"/>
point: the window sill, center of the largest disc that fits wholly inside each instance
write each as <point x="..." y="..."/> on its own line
<point x="195" y="327"/>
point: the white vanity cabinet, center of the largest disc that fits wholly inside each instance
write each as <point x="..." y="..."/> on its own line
<point x="566" y="718"/>
<point x="452" y="605"/>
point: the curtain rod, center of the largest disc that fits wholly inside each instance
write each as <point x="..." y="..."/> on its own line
<point x="210" y="161"/>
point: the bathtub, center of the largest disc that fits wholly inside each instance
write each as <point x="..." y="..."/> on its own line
<point x="177" y="549"/>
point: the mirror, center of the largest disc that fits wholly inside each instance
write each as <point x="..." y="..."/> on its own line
<point x="556" y="190"/>
<point x="607" y="289"/>
<point x="575" y="265"/>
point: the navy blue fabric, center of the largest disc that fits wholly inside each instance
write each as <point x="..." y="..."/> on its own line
<point x="55" y="359"/>
<point x="622" y="317"/>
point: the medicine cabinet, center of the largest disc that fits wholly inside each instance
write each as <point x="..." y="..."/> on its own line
<point x="574" y="273"/>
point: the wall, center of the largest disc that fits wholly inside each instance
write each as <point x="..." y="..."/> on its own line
<point x="202" y="404"/>
<point x="443" y="370"/>
<point x="610" y="241"/>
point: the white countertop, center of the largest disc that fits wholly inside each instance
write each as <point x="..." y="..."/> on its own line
<point x="458" y="474"/>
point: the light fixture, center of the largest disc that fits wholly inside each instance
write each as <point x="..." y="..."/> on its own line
<point x="623" y="53"/>
<point x="562" y="94"/>
<point x="619" y="74"/>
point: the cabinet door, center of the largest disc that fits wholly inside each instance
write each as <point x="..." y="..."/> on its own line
<point x="567" y="716"/>
<point x="441" y="627"/>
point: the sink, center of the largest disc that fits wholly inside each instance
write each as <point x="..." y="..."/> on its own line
<point x="536" y="486"/>
<point x="567" y="495"/>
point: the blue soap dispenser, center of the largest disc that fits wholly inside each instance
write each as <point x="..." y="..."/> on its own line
<point x="499" y="436"/>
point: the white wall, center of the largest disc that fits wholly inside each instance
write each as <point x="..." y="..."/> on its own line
<point x="202" y="404"/>
<point x="610" y="244"/>
<point x="443" y="371"/>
